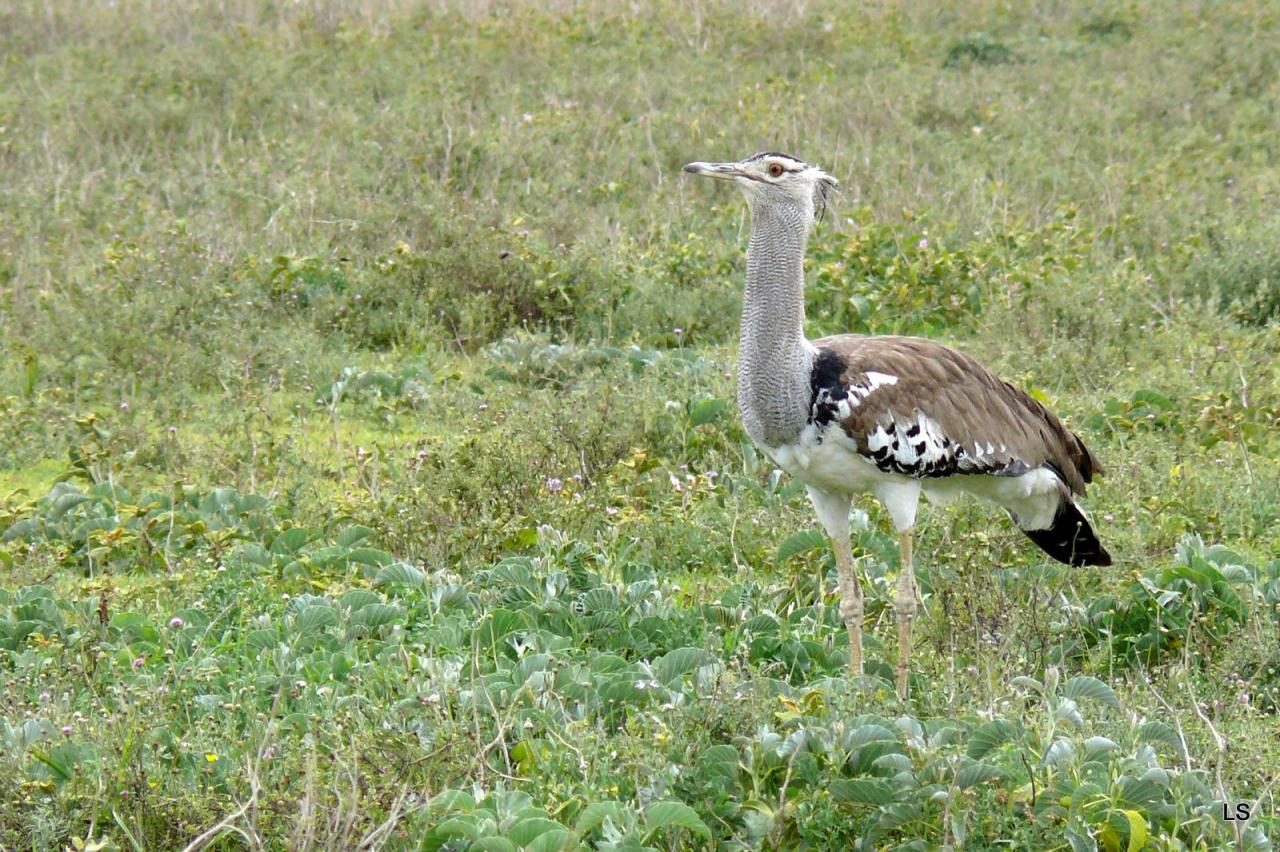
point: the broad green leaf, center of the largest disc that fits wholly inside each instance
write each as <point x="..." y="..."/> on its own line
<point x="801" y="542"/>
<point x="865" y="734"/>
<point x="1255" y="839"/>
<point x="721" y="762"/>
<point x="910" y="727"/>
<point x="674" y="814"/>
<point x="314" y="618"/>
<point x="975" y="774"/>
<point x="1154" y="398"/>
<point x="1157" y="776"/>
<point x="672" y="666"/>
<point x="1080" y="842"/>
<point x="261" y="641"/>
<point x="489" y="634"/>
<point x="598" y="600"/>
<point x="989" y="735"/>
<point x="899" y="813"/>
<point x="622" y="689"/>
<point x="61" y="771"/>
<point x="254" y="554"/>
<point x="375" y="615"/>
<point x="868" y="791"/>
<point x="351" y="536"/>
<point x="1140" y="793"/>
<point x="529" y="664"/>
<point x="794" y="742"/>
<point x="458" y="826"/>
<point x="493" y="844"/>
<point x="706" y="410"/>
<point x="1061" y="751"/>
<point x="594" y="815"/>
<point x="370" y="557"/>
<point x="23" y="529"/>
<point x="1092" y="688"/>
<point x="1099" y="745"/>
<point x="400" y="574"/>
<point x="896" y="762"/>
<point x="530" y="828"/>
<point x="762" y="624"/>
<point x="607" y="663"/>
<point x="552" y="841"/>
<point x="292" y="540"/>
<point x="64" y="504"/>
<point x="358" y="599"/>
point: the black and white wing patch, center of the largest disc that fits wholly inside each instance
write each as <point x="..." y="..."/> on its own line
<point x="920" y="448"/>
<point x="878" y="413"/>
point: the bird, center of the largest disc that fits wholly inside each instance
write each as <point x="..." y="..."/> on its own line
<point x="891" y="415"/>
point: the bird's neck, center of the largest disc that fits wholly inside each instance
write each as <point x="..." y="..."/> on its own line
<point x="774" y="359"/>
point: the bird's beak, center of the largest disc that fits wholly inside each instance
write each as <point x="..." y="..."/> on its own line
<point x="723" y="171"/>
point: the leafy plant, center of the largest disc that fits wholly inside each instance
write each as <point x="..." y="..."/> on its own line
<point x="1196" y="600"/>
<point x="977" y="49"/>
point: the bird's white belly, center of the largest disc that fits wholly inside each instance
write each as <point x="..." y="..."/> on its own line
<point x="1032" y="497"/>
<point x="832" y="464"/>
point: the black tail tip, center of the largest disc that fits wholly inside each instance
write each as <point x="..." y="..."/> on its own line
<point x="1070" y="539"/>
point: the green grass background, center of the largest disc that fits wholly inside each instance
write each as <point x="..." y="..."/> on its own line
<point x="310" y="310"/>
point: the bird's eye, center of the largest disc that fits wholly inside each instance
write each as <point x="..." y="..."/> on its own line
<point x="775" y="170"/>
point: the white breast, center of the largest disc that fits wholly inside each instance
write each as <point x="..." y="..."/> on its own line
<point x="828" y="460"/>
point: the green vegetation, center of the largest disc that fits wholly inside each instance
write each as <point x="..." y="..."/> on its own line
<point x="369" y="470"/>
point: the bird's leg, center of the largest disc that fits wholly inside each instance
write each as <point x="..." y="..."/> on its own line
<point x="850" y="600"/>
<point x="905" y="608"/>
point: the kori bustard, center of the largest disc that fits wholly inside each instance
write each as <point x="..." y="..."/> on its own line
<point x="889" y="415"/>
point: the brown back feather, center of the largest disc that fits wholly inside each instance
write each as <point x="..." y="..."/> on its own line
<point x="972" y="406"/>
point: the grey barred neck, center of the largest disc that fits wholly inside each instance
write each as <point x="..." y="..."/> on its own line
<point x="774" y="359"/>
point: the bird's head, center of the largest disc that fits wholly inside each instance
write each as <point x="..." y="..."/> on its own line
<point x="773" y="179"/>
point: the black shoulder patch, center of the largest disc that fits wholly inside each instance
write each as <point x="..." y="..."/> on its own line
<point x="826" y="388"/>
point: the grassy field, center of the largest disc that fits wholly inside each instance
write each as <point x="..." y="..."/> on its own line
<point x="369" y="472"/>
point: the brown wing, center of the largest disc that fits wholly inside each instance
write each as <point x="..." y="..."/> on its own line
<point x="917" y="407"/>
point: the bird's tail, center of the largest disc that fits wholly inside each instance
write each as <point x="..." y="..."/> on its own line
<point x="1070" y="538"/>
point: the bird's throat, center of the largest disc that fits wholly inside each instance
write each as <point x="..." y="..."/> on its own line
<point x="774" y="359"/>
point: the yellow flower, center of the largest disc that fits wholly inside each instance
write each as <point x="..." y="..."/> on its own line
<point x="211" y="757"/>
